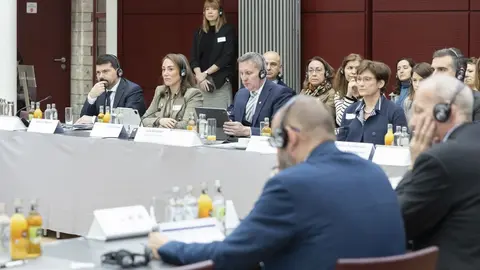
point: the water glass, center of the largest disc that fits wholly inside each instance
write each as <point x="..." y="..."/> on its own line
<point x="211" y="130"/>
<point x="68" y="117"/>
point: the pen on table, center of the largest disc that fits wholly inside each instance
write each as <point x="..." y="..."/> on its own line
<point x="12" y="264"/>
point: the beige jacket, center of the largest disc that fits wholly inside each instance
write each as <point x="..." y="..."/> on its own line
<point x="176" y="107"/>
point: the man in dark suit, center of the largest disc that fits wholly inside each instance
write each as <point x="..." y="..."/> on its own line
<point x="312" y="212"/>
<point x="111" y="90"/>
<point x="259" y="98"/>
<point x="440" y="195"/>
<point x="274" y="67"/>
<point x="452" y="62"/>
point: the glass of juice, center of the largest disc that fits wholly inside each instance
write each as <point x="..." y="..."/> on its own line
<point x="211" y="130"/>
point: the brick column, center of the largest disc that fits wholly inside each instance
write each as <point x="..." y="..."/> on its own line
<point x="82" y="58"/>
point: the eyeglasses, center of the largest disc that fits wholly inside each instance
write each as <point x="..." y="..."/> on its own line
<point x="312" y="71"/>
<point x="277" y="138"/>
<point x="364" y="79"/>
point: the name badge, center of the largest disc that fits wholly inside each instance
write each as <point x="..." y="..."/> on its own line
<point x="350" y="116"/>
<point x="45" y="126"/>
<point x="221" y="39"/>
<point x="177" y="107"/>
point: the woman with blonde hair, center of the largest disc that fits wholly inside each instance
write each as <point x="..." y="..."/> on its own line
<point x="318" y="82"/>
<point x="175" y="101"/>
<point x="213" y="56"/>
<point x="346" y="91"/>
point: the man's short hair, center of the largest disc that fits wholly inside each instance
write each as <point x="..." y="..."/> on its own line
<point x="380" y="70"/>
<point x="105" y="59"/>
<point x="445" y="87"/>
<point x="456" y="54"/>
<point x="256" y="58"/>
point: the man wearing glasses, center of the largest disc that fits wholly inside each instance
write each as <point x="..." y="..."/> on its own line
<point x="312" y="212"/>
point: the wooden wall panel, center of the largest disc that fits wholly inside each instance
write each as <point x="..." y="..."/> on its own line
<point x="475" y="5"/>
<point x="332" y="36"/>
<point x="420" y="5"/>
<point x="152" y="29"/>
<point x="397" y="35"/>
<point x="475" y="34"/>
<point x="332" y="5"/>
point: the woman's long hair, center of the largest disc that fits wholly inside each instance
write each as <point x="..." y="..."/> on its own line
<point x="398" y="84"/>
<point x="424" y="70"/>
<point x="179" y="60"/>
<point x="329" y="71"/>
<point x="222" y="19"/>
<point x="340" y="83"/>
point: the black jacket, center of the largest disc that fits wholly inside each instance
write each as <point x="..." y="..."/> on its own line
<point x="440" y="200"/>
<point x="128" y="95"/>
<point x="224" y="53"/>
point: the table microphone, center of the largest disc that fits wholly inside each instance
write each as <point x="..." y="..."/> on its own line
<point x="162" y="95"/>
<point x="47" y="98"/>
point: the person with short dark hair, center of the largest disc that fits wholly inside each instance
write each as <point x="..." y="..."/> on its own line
<point x="452" y="62"/>
<point x="367" y="120"/>
<point x="471" y="73"/>
<point x="112" y="89"/>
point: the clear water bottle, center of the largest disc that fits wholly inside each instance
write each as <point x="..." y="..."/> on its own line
<point x="202" y="126"/>
<point x="219" y="203"/>
<point x="4" y="229"/>
<point x="113" y="116"/>
<point x="397" y="136"/>
<point x="54" y="112"/>
<point x="175" y="206"/>
<point x="48" y="112"/>
<point x="190" y="204"/>
<point x="2" y="106"/>
<point x="405" y="138"/>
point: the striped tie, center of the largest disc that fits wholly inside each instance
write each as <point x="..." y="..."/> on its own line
<point x="249" y="110"/>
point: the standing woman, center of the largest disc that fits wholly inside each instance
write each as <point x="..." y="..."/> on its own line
<point x="345" y="85"/>
<point x="213" y="56"/>
<point x="403" y="87"/>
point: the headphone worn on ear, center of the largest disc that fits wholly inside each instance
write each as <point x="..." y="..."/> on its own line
<point x="442" y="111"/>
<point x="280" y="134"/>
<point x="117" y="63"/>
<point x="461" y="65"/>
<point x="183" y="67"/>
<point x="220" y="11"/>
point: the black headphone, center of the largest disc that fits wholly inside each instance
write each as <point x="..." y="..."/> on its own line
<point x="127" y="259"/>
<point x="183" y="67"/>
<point x="442" y="111"/>
<point x="461" y="65"/>
<point x="117" y="64"/>
<point x="263" y="72"/>
<point x="220" y="11"/>
<point x="280" y="134"/>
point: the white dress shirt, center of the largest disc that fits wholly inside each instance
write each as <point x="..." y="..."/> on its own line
<point x="91" y="101"/>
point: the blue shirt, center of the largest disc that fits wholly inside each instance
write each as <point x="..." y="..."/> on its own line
<point x="355" y="128"/>
<point x="404" y="92"/>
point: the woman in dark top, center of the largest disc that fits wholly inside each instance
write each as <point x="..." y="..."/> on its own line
<point x="213" y="56"/>
<point x="403" y="86"/>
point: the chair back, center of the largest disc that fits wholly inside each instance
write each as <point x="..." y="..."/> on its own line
<point x="205" y="265"/>
<point x="425" y="259"/>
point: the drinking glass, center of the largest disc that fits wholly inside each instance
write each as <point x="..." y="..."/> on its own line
<point x="68" y="117"/>
<point x="211" y="130"/>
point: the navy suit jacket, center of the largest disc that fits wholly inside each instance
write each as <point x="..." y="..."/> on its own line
<point x="308" y="216"/>
<point x="272" y="98"/>
<point x="373" y="130"/>
<point x="128" y="95"/>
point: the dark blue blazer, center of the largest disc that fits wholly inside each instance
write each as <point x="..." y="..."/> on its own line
<point x="308" y="216"/>
<point x="272" y="98"/>
<point x="128" y="95"/>
<point x="375" y="128"/>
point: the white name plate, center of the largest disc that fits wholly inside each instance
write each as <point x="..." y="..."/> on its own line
<point x="11" y="123"/>
<point x="121" y="222"/>
<point x="363" y="150"/>
<point x="392" y="156"/>
<point x="45" y="126"/>
<point x="107" y="130"/>
<point x="260" y="144"/>
<point x="174" y="137"/>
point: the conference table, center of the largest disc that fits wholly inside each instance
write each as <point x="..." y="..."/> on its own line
<point x="73" y="174"/>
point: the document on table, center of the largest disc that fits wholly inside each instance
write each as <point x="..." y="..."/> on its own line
<point x="205" y="230"/>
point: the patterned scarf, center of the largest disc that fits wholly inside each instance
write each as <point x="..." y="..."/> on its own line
<point x="319" y="90"/>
